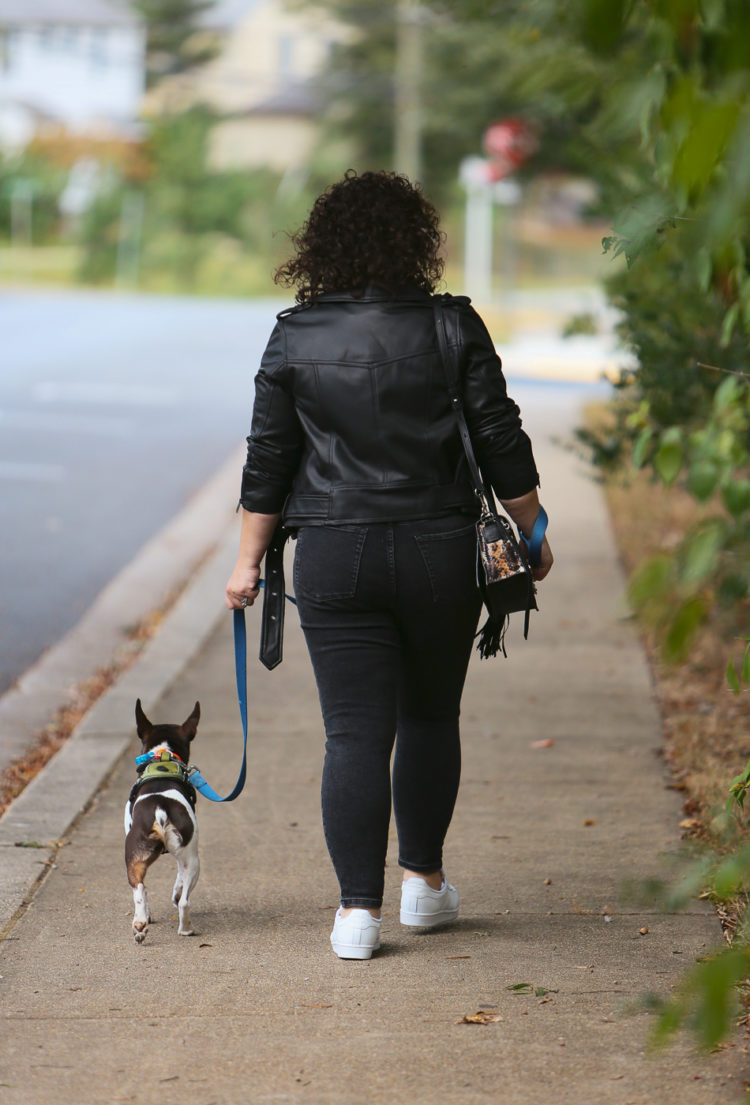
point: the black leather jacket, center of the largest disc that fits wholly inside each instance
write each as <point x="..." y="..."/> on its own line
<point x="352" y="420"/>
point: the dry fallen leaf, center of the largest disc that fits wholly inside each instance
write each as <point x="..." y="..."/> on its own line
<point x="589" y="821"/>
<point x="482" y="1016"/>
<point x="543" y="743"/>
<point x="458" y="957"/>
<point x="643" y="931"/>
<point x="548" y="882"/>
<point x="316" y="1005"/>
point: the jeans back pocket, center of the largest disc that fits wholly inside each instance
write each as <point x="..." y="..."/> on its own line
<point x="450" y="561"/>
<point x="327" y="560"/>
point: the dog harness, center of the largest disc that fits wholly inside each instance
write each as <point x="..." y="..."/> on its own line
<point x="165" y="765"/>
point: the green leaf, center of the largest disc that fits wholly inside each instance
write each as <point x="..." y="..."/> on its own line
<point x="683" y="628"/>
<point x="711" y="125"/>
<point x="603" y="22"/>
<point x="520" y="987"/>
<point x="714" y="985"/>
<point x="699" y="552"/>
<point x="670" y="1020"/>
<point x="731" y="876"/>
<point x="729" y="391"/>
<point x="708" y="993"/>
<point x="745" y="673"/>
<point x="640" y="448"/>
<point x="732" y="677"/>
<point x="703" y="269"/>
<point x="651" y="580"/>
<point x="638" y="228"/>
<point x="669" y="455"/>
<point x="702" y="479"/>
<point x="736" y="496"/>
<point x="728" y="325"/>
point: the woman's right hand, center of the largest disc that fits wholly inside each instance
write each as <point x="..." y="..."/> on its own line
<point x="546" y="560"/>
<point x="242" y="587"/>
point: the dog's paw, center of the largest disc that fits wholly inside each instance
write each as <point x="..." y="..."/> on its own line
<point x="186" y="932"/>
<point x="139" y="937"/>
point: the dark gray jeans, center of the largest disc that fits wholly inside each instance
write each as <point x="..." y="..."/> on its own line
<point x="389" y="613"/>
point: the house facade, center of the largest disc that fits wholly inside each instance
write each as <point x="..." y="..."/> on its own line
<point x="72" y="64"/>
<point x="261" y="83"/>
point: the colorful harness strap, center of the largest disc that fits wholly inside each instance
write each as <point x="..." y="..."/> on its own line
<point x="240" y="671"/>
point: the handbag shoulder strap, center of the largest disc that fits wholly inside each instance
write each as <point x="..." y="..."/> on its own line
<point x="450" y="370"/>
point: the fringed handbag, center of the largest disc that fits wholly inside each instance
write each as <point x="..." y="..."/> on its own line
<point x="503" y="564"/>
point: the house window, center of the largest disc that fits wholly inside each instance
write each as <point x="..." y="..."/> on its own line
<point x="9" y="41"/>
<point x="98" y="47"/>
<point x="68" y="38"/>
<point x="286" y="57"/>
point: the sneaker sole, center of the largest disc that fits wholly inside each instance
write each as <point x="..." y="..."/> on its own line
<point x="354" y="951"/>
<point x="428" y="921"/>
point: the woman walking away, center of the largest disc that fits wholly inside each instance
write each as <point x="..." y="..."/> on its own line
<point x="354" y="444"/>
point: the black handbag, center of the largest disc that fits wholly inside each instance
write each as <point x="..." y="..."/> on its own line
<point x="503" y="570"/>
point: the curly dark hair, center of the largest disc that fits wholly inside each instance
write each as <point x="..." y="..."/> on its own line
<point x="374" y="228"/>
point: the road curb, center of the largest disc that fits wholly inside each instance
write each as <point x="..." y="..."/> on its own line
<point x="146" y="584"/>
<point x="35" y="823"/>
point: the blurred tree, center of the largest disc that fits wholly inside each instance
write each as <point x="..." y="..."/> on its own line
<point x="483" y="61"/>
<point x="32" y="174"/>
<point x="175" y="40"/>
<point x="192" y="212"/>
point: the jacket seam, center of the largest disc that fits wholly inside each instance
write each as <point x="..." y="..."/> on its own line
<point x="431" y="352"/>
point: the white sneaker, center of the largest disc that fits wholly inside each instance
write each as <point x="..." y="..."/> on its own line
<point x="356" y="936"/>
<point x="423" y="907"/>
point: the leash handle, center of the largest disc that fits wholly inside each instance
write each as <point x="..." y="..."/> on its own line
<point x="240" y="670"/>
<point x="534" y="543"/>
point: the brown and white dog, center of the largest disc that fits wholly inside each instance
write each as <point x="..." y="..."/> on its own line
<point x="160" y="816"/>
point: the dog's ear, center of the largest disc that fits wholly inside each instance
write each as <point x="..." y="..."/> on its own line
<point x="143" y="725"/>
<point x="189" y="727"/>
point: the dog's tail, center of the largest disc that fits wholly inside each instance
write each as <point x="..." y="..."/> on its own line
<point x="165" y="830"/>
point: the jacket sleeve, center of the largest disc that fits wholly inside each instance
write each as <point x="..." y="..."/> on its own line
<point x="274" y="446"/>
<point x="502" y="448"/>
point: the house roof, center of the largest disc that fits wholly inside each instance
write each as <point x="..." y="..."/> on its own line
<point x="225" y="14"/>
<point x="86" y="13"/>
<point x="295" y="99"/>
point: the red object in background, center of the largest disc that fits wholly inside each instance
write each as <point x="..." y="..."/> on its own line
<point x="508" y="143"/>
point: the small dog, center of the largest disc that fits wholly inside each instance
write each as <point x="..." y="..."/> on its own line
<point x="160" y="816"/>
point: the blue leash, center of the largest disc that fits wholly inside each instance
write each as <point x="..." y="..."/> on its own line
<point x="534" y="543"/>
<point x="240" y="670"/>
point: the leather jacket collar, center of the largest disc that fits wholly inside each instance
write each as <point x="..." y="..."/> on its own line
<point x="375" y="294"/>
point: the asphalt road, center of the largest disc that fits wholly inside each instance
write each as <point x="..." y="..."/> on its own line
<point x="113" y="411"/>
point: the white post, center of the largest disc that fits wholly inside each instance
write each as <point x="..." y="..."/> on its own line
<point x="129" y="240"/>
<point x="21" y="204"/>
<point x="478" y="243"/>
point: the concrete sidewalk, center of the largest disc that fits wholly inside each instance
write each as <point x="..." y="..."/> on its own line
<point x="256" y="1008"/>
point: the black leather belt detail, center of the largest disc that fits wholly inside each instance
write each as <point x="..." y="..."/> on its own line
<point x="272" y="620"/>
